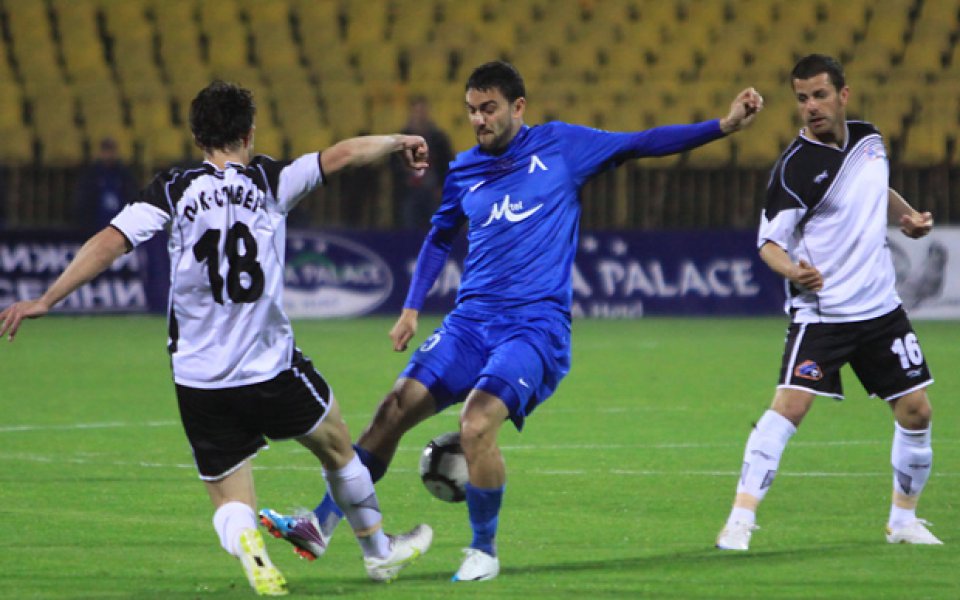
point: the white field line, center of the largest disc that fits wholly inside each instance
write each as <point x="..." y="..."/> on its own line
<point x="87" y="458"/>
<point x="505" y="447"/>
<point x="78" y="460"/>
<point x="95" y="460"/>
<point x="349" y="416"/>
<point x="82" y="426"/>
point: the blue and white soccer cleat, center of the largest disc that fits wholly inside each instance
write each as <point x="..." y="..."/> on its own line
<point x="404" y="550"/>
<point x="302" y="530"/>
<point x="736" y="536"/>
<point x="477" y="566"/>
<point x="915" y="532"/>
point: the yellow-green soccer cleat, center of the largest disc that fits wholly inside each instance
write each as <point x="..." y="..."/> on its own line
<point x="264" y="578"/>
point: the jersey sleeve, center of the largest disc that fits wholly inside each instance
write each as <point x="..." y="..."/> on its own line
<point x="782" y="211"/>
<point x="289" y="181"/>
<point x="450" y="215"/>
<point x="150" y="212"/>
<point x="588" y="151"/>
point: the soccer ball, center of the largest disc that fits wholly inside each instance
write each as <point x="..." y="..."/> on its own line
<point x="443" y="468"/>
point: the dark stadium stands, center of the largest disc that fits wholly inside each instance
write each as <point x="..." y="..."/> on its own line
<point x="74" y="71"/>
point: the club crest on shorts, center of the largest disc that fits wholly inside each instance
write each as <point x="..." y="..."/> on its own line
<point x="808" y="370"/>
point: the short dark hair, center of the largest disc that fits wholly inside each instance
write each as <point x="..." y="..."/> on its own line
<point x="221" y="115"/>
<point x="814" y="64"/>
<point x="500" y="75"/>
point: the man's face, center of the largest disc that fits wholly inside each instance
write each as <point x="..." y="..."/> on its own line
<point x="822" y="108"/>
<point x="494" y="119"/>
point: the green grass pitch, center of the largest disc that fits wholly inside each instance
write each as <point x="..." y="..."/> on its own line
<point x="616" y="488"/>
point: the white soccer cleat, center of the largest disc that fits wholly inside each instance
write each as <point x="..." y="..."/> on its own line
<point x="264" y="578"/>
<point x="736" y="536"/>
<point x="915" y="532"/>
<point x="477" y="566"/>
<point x="404" y="550"/>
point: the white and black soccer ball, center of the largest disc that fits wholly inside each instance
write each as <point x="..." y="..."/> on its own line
<point x="443" y="468"/>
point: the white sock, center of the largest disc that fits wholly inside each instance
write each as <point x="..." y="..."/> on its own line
<point x="741" y="515"/>
<point x="229" y="520"/>
<point x="901" y="516"/>
<point x="762" y="454"/>
<point x="911" y="457"/>
<point x="352" y="489"/>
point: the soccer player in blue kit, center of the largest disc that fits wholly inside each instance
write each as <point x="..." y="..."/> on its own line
<point x="506" y="345"/>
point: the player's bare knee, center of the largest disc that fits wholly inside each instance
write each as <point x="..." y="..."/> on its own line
<point x="913" y="411"/>
<point x="792" y="405"/>
<point x="476" y="432"/>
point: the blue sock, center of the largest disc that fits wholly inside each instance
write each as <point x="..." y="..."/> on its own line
<point x="484" y="508"/>
<point x="372" y="463"/>
<point x="328" y="508"/>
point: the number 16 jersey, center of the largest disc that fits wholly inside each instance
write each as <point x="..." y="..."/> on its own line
<point x="227" y="232"/>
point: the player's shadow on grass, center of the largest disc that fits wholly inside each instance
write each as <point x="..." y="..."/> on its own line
<point x="699" y="557"/>
<point x="651" y="563"/>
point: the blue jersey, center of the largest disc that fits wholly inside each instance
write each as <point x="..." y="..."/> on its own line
<point x="523" y="207"/>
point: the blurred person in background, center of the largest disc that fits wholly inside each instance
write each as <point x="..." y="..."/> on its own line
<point x="824" y="229"/>
<point x="3" y="197"/>
<point x="238" y="374"/>
<point x="103" y="187"/>
<point x="417" y="194"/>
<point x="506" y="345"/>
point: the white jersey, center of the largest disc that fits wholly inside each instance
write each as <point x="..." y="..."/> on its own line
<point x="227" y="241"/>
<point x="828" y="206"/>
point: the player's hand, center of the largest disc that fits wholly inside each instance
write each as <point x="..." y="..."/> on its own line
<point x="415" y="152"/>
<point x="13" y="315"/>
<point x="807" y="276"/>
<point x="404" y="329"/>
<point x="743" y="110"/>
<point x="916" y="225"/>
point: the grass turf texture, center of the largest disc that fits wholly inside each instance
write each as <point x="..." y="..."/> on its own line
<point x="616" y="489"/>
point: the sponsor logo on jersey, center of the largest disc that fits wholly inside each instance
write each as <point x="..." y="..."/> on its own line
<point x="808" y="370"/>
<point x="819" y="178"/>
<point x="329" y="276"/>
<point x="536" y="163"/>
<point x="511" y="211"/>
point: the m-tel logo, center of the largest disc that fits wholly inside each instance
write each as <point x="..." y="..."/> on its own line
<point x="511" y="211"/>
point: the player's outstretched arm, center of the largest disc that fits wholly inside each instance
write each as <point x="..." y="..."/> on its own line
<point x="913" y="223"/>
<point x="802" y="274"/>
<point x="743" y="110"/>
<point x="94" y="257"/>
<point x="357" y="151"/>
<point x="433" y="256"/>
<point x="404" y="329"/>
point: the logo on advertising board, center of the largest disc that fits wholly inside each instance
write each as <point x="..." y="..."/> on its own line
<point x="329" y="276"/>
<point x="622" y="275"/>
<point x="30" y="262"/>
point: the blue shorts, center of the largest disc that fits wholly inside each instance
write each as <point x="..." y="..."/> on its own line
<point x="520" y="358"/>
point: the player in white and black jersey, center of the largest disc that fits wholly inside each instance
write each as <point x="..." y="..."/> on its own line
<point x="824" y="229"/>
<point x="239" y="377"/>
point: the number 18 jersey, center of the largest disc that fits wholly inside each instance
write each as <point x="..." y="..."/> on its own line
<point x="227" y="232"/>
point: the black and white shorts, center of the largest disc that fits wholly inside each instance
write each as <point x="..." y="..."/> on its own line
<point x="883" y="352"/>
<point x="226" y="426"/>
